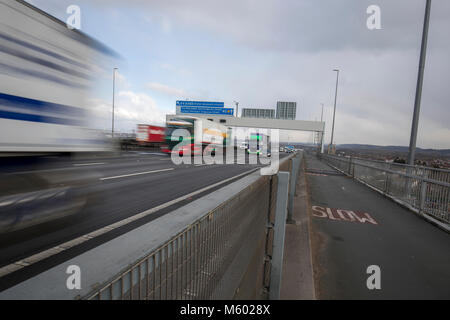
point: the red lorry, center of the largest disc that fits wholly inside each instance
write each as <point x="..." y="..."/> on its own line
<point x="151" y="136"/>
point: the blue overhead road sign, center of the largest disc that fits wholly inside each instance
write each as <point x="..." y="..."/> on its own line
<point x="207" y="110"/>
<point x="184" y="103"/>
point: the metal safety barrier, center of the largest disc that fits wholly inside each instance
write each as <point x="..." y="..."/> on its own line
<point x="226" y="254"/>
<point x="425" y="190"/>
<point x="437" y="174"/>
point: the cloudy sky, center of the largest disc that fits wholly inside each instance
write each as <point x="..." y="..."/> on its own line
<point x="260" y="51"/>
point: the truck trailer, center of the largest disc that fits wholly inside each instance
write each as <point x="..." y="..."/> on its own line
<point x="202" y="133"/>
<point x="150" y="135"/>
<point x="47" y="71"/>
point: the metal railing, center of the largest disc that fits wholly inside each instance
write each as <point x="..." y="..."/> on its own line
<point x="437" y="174"/>
<point x="196" y="263"/>
<point x="425" y="190"/>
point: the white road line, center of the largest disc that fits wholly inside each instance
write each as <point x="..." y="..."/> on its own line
<point x="155" y="153"/>
<point x="88" y="164"/>
<point x="136" y="174"/>
<point x="74" y="242"/>
<point x="58" y="169"/>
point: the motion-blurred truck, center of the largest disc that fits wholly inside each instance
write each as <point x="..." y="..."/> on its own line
<point x="150" y="135"/>
<point x="47" y="71"/>
<point x="259" y="144"/>
<point x="201" y="133"/>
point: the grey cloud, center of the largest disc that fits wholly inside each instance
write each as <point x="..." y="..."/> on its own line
<point x="298" y="44"/>
<point x="309" y="25"/>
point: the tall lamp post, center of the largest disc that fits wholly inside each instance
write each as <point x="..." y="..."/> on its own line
<point x="423" y="53"/>
<point x="322" y="133"/>
<point x="114" y="88"/>
<point x="334" y="112"/>
<point x="321" y="115"/>
<point x="237" y="108"/>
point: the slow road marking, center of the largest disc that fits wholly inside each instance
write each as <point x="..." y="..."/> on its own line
<point x="342" y="215"/>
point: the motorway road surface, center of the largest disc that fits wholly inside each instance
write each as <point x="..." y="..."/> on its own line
<point x="413" y="255"/>
<point x="126" y="185"/>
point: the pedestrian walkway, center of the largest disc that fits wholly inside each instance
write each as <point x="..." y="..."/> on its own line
<point x="356" y="232"/>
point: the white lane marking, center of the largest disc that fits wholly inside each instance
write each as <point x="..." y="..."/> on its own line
<point x="5" y="203"/>
<point x="88" y="164"/>
<point x="74" y="242"/>
<point x="58" y="169"/>
<point x="136" y="174"/>
<point x="41" y="170"/>
<point x="155" y="153"/>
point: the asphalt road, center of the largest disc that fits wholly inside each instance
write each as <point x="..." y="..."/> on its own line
<point x="123" y="186"/>
<point x="413" y="256"/>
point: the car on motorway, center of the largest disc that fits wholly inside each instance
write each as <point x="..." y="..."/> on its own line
<point x="289" y="149"/>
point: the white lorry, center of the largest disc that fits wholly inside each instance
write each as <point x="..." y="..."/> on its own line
<point x="202" y="133"/>
<point x="46" y="73"/>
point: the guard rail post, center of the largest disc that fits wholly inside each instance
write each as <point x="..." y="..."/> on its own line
<point x="279" y="234"/>
<point x="292" y="186"/>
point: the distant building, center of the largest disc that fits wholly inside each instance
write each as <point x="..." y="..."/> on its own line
<point x="258" y="113"/>
<point x="286" y="110"/>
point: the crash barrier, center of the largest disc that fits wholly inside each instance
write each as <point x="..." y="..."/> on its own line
<point x="424" y="190"/>
<point x="231" y="249"/>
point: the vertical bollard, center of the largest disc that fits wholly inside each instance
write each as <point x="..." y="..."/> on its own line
<point x="278" y="238"/>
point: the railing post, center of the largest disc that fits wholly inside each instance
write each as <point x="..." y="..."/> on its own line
<point x="423" y="194"/>
<point x="350" y="165"/>
<point x="386" y="183"/>
<point x="279" y="233"/>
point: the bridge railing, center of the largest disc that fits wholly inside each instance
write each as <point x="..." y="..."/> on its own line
<point x="224" y="254"/>
<point x="437" y="174"/>
<point x="424" y="190"/>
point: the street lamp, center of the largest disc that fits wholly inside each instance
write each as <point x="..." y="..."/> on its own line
<point x="323" y="131"/>
<point x="334" y="112"/>
<point x="321" y="115"/>
<point x="423" y="53"/>
<point x="237" y="108"/>
<point x="114" y="87"/>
